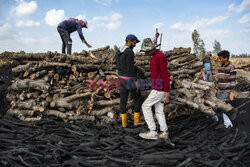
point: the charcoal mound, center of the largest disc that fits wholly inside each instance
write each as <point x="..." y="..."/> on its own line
<point x="199" y="141"/>
<point x="6" y="77"/>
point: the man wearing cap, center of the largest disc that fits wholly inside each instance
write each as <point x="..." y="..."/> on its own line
<point x="159" y="94"/>
<point x="207" y="67"/>
<point x="127" y="77"/>
<point x="68" y="26"/>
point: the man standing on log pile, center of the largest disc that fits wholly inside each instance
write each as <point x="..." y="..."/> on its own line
<point x="226" y="81"/>
<point x="155" y="39"/>
<point x="127" y="78"/>
<point x="159" y="94"/>
<point x="207" y="67"/>
<point x="68" y="26"/>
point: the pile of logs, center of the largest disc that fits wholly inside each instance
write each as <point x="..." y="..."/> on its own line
<point x="85" y="85"/>
<point x="64" y="86"/>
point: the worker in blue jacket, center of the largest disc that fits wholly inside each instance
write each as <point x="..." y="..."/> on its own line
<point x="68" y="26"/>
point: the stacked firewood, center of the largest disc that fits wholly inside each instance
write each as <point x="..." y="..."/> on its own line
<point x="67" y="86"/>
<point x="189" y="92"/>
<point x="85" y="85"/>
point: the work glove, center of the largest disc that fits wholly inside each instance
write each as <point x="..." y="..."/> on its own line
<point x="231" y="96"/>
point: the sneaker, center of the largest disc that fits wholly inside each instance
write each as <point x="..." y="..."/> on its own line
<point x="164" y="135"/>
<point x="153" y="135"/>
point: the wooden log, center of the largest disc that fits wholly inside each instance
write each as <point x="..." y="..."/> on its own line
<point x="218" y="104"/>
<point x="100" y="49"/>
<point x="198" y="64"/>
<point x="173" y="57"/>
<point x="181" y="50"/>
<point x="201" y="107"/>
<point x="66" y="101"/>
<point x="185" y="71"/>
<point x="29" y="55"/>
<point x="22" y="96"/>
<point x="74" y="68"/>
<point x="82" y="117"/>
<point x="183" y="91"/>
<point x="56" y="77"/>
<point x="40" y="85"/>
<point x="80" y="59"/>
<point x="210" y="84"/>
<point x="91" y="74"/>
<point x="29" y="119"/>
<point x="189" y="85"/>
<point x="49" y="99"/>
<point x="54" y="65"/>
<point x="35" y="95"/>
<point x="10" y="97"/>
<point x="186" y="63"/>
<point x="107" y="102"/>
<point x="51" y="73"/>
<point x="28" y="105"/>
<point x="112" y="115"/>
<point x="26" y="73"/>
<point x="22" y="68"/>
<point x="206" y="110"/>
<point x="18" y="112"/>
<point x="40" y="74"/>
<point x="76" y="74"/>
<point x="187" y="102"/>
<point x="92" y="55"/>
<point x="101" y="112"/>
<point x="56" y="113"/>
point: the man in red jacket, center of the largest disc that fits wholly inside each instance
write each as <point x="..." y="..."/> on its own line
<point x="159" y="94"/>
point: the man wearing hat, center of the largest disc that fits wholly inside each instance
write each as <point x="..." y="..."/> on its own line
<point x="127" y="77"/>
<point x="207" y="67"/>
<point x="68" y="26"/>
<point x="159" y="94"/>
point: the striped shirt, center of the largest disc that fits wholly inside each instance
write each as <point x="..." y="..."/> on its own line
<point x="226" y="78"/>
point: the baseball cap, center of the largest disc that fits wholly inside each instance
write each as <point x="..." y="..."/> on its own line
<point x="209" y="53"/>
<point x="132" y="37"/>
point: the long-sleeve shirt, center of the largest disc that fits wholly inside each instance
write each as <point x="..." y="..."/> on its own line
<point x="125" y="62"/>
<point x="72" y="26"/>
<point x="207" y="64"/>
<point x="159" y="72"/>
<point x="154" y="40"/>
<point x="226" y="78"/>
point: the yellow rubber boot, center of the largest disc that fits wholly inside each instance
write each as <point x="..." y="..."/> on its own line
<point x="137" y="119"/>
<point x="124" y="120"/>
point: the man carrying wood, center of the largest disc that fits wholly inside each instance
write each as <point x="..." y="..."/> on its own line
<point x="66" y="27"/>
<point x="159" y="94"/>
<point x="127" y="77"/>
<point x="226" y="81"/>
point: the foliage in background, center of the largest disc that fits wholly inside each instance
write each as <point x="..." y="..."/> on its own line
<point x="199" y="45"/>
<point x="217" y="47"/>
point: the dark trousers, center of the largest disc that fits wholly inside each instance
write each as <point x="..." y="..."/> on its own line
<point x="66" y="40"/>
<point x="125" y="89"/>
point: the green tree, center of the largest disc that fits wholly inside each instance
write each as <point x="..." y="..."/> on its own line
<point x="116" y="48"/>
<point x="217" y="47"/>
<point x="195" y="38"/>
<point x="199" y="45"/>
<point x="202" y="50"/>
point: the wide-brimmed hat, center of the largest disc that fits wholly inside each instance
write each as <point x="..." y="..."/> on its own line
<point x="147" y="45"/>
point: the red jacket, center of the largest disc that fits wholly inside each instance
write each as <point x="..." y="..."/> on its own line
<point x="159" y="72"/>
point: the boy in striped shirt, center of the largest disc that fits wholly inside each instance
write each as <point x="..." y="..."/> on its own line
<point x="226" y="81"/>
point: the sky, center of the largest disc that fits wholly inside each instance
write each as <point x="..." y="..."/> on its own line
<point x="31" y="26"/>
